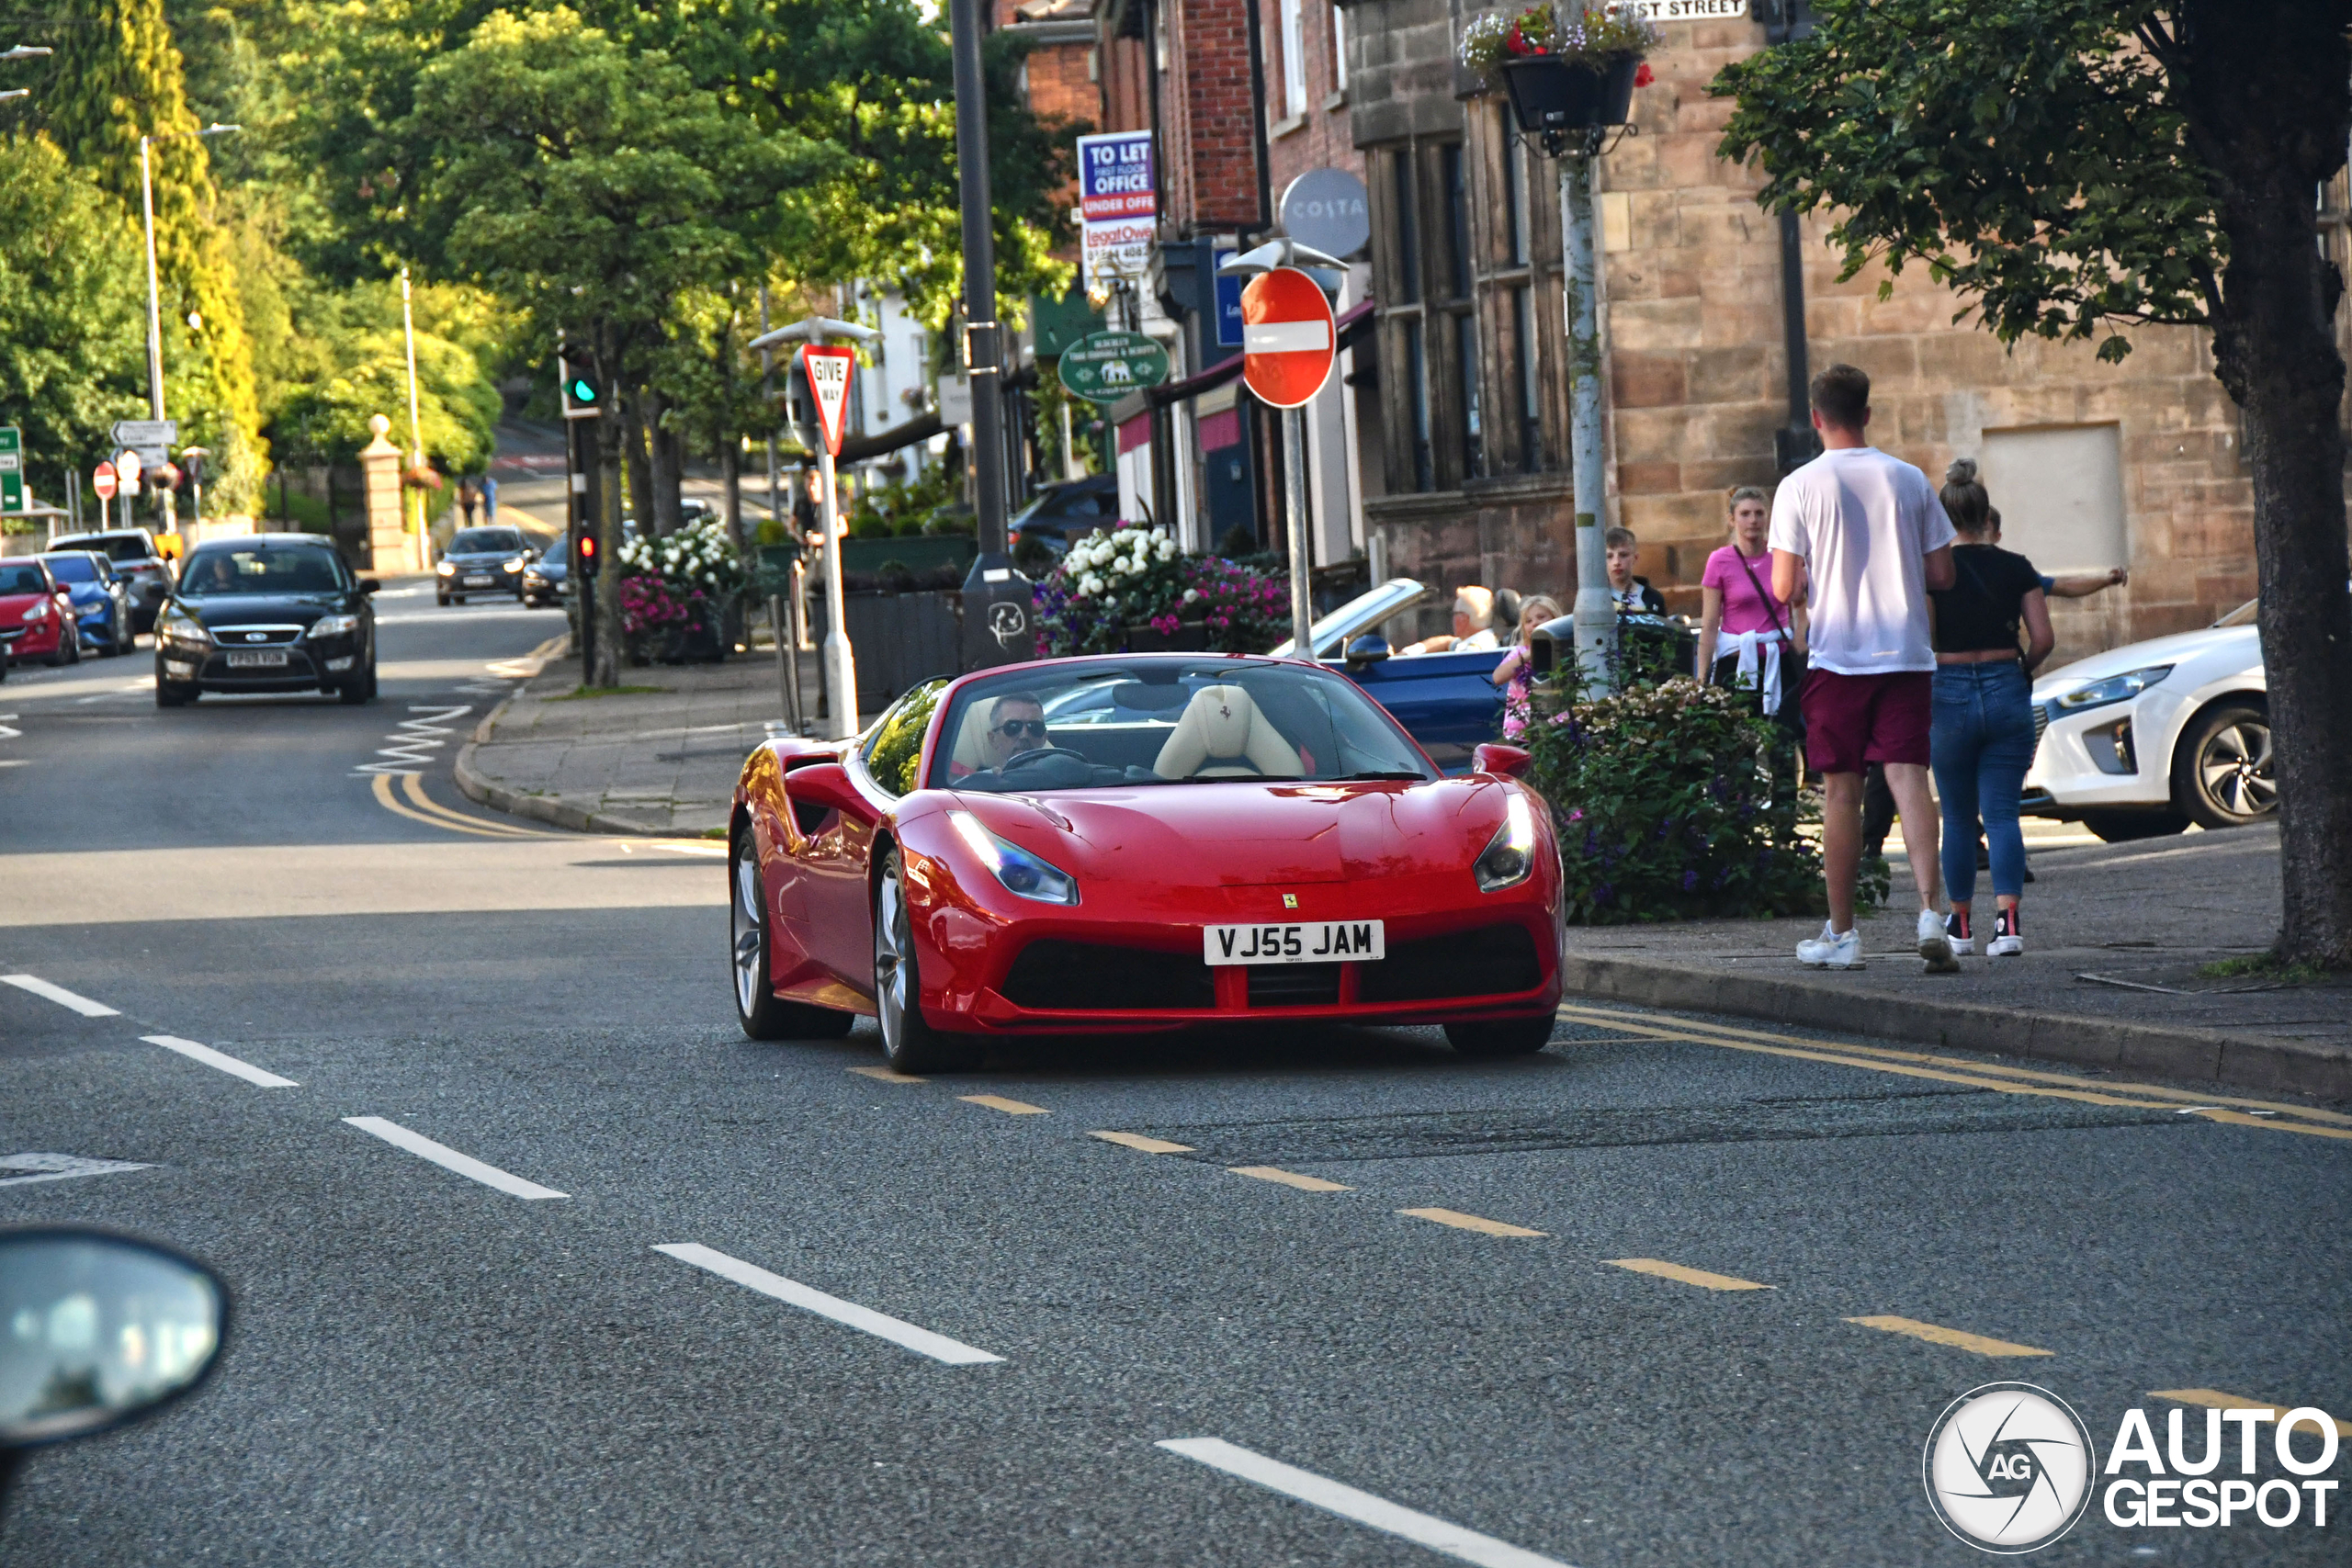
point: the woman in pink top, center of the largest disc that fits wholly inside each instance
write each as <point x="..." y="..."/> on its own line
<point x="1744" y="630"/>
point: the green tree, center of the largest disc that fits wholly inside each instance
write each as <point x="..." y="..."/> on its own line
<point x="116" y="75"/>
<point x="2073" y="167"/>
<point x="326" y="419"/>
<point x="72" y="308"/>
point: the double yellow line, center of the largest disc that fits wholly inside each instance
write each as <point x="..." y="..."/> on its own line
<point x="420" y="807"/>
<point x="2275" y="1116"/>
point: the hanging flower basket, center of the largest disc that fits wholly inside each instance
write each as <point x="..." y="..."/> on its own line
<point x="1549" y="93"/>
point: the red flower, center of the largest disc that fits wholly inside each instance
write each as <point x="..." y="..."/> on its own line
<point x="1645" y="77"/>
<point x="1516" y="42"/>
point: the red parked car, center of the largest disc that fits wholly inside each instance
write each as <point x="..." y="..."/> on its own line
<point x="1140" y="842"/>
<point x="36" y="616"/>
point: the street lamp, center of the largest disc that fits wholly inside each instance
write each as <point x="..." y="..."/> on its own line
<point x="415" y="434"/>
<point x="24" y="51"/>
<point x="154" y="302"/>
<point x="840" y="661"/>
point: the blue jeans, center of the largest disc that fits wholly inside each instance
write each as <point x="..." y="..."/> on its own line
<point x="1981" y="745"/>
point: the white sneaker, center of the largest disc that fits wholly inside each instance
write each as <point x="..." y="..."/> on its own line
<point x="1961" y="946"/>
<point x="1935" y="944"/>
<point x="1831" y="950"/>
<point x="2005" y="947"/>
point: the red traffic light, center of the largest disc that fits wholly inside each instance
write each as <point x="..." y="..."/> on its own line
<point x="587" y="547"/>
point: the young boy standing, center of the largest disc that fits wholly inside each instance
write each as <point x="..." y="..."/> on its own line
<point x="1861" y="538"/>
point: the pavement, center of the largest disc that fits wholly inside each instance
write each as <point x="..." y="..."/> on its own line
<point x="537" y="1260"/>
<point x="660" y="756"/>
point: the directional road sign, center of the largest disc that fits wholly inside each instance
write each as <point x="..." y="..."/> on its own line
<point x="12" y="468"/>
<point x="146" y="435"/>
<point x="1289" y="338"/>
<point x="1105" y="367"/>
<point x="828" y="371"/>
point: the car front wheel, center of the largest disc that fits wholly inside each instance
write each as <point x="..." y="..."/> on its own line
<point x="908" y="1041"/>
<point x="762" y="1014"/>
<point x="2226" y="776"/>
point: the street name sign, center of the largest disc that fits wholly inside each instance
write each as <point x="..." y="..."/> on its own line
<point x="1104" y="366"/>
<point x="1289" y="337"/>
<point x="829" y="372"/>
<point x="151" y="438"/>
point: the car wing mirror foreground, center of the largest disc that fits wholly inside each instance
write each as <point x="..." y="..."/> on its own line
<point x="1494" y="757"/>
<point x="369" y="586"/>
<point x="97" y="1330"/>
<point x="1368" y="650"/>
<point x="825" y="786"/>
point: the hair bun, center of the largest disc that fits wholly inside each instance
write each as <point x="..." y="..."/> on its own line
<point x="1962" y="471"/>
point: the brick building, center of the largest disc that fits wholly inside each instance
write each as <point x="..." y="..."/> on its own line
<point x="2093" y="464"/>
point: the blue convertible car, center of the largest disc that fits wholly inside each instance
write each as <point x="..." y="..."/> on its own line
<point x="1448" y="702"/>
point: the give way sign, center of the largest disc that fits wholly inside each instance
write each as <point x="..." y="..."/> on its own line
<point x="1288" y="337"/>
<point x="828" y="383"/>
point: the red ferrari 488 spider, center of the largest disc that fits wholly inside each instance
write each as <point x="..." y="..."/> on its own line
<point x="1138" y="842"/>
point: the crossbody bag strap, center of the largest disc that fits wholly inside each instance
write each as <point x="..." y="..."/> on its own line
<point x="1770" y="614"/>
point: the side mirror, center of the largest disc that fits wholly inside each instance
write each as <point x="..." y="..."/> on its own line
<point x="1494" y="757"/>
<point x="822" y="787"/>
<point x="369" y="586"/>
<point x="98" y="1329"/>
<point x="1369" y="649"/>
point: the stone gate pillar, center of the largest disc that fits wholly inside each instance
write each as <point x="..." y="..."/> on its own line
<point x="387" y="538"/>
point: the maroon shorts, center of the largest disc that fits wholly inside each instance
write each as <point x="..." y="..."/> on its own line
<point x="1850" y="721"/>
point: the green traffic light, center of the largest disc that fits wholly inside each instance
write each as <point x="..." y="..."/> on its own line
<point x="584" y="391"/>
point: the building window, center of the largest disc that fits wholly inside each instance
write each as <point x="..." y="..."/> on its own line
<point x="1515" y="214"/>
<point x="1409" y="231"/>
<point x="1529" y="379"/>
<point x="1293" y="58"/>
<point x="1338" y="48"/>
<point x="1465" y="364"/>
<point x="1417" y="392"/>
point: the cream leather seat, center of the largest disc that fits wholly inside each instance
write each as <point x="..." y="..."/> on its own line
<point x="1223" y="734"/>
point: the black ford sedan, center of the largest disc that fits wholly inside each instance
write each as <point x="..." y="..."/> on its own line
<point x="273" y="613"/>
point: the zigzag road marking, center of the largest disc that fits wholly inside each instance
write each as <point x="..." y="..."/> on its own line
<point x="413" y="740"/>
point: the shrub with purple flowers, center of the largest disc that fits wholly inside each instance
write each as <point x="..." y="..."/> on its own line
<point x="1675" y="801"/>
<point x="1131" y="576"/>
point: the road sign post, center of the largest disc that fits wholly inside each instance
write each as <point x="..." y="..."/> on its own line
<point x="1289" y="343"/>
<point x="829" y="373"/>
<point x="12" y="468"/>
<point x="102" y="481"/>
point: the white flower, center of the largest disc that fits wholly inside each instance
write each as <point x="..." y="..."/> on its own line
<point x="1191" y="594"/>
<point x="1090" y="584"/>
<point x="1110" y="600"/>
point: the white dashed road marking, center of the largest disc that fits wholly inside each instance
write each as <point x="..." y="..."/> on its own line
<point x="221" y="1059"/>
<point x="60" y="994"/>
<point x="448" y="1158"/>
<point x="921" y="1341"/>
<point x="1423" y="1529"/>
<point x="18" y="1170"/>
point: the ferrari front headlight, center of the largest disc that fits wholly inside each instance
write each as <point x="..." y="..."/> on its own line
<point x="1016" y="868"/>
<point x="1508" y="858"/>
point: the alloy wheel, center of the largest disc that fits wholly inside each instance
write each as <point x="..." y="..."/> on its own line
<point x="890" y="940"/>
<point x="747" y="916"/>
<point x="2235" y="768"/>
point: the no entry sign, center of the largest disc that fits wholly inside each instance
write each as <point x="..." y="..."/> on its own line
<point x="102" y="481"/>
<point x="1288" y="337"/>
<point x="829" y="370"/>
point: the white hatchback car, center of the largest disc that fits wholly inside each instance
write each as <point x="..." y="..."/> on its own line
<point x="2145" y="740"/>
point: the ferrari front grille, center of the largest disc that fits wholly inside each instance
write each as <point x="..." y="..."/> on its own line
<point x="1089" y="977"/>
<point x="1294" y="985"/>
<point x="1489" y="961"/>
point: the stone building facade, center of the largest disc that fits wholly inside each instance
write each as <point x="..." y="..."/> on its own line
<point x="2093" y="464"/>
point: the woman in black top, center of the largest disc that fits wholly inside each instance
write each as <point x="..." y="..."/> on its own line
<point x="1983" y="741"/>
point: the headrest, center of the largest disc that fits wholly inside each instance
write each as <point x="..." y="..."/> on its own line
<point x="1221" y="722"/>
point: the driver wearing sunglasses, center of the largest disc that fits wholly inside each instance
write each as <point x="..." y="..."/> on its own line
<point x="1016" y="725"/>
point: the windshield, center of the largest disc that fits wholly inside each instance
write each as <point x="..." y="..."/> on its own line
<point x="1365" y="613"/>
<point x="72" y="569"/>
<point x="232" y="571"/>
<point x="22" y="579"/>
<point x="486" y="541"/>
<point x="1098" y="723"/>
<point x="117" y="547"/>
<point x="2241" y="616"/>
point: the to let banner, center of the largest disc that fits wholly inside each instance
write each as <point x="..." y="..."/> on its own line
<point x="1117" y="200"/>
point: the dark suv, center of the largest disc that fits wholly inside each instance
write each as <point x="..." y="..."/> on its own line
<point x="273" y="613"/>
<point x="482" y="560"/>
<point x="134" y="554"/>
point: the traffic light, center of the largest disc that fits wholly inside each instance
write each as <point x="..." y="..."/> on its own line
<point x="587" y="547"/>
<point x="583" y="393"/>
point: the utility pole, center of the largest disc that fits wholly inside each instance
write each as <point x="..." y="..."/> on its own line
<point x="1596" y="617"/>
<point x="155" y="300"/>
<point x="415" y="434"/>
<point x="999" y="624"/>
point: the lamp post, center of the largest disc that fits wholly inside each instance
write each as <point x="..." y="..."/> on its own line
<point x="415" y="432"/>
<point x="840" y="660"/>
<point x="155" y="301"/>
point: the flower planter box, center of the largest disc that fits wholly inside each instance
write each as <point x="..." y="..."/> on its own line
<point x="917" y="552"/>
<point x="1549" y="95"/>
<point x="1190" y="637"/>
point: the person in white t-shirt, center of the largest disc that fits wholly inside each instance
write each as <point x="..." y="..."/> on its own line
<point x="1859" y="538"/>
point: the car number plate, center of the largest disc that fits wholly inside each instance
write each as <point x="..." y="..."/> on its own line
<point x="478" y="582"/>
<point x="1300" y="941"/>
<point x="257" y="659"/>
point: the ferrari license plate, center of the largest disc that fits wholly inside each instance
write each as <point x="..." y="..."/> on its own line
<point x="258" y="659"/>
<point x="478" y="582"/>
<point x="1301" y="941"/>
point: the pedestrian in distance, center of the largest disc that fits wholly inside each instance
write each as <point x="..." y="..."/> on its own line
<point x="1632" y="595"/>
<point x="1746" y="635"/>
<point x="488" y="499"/>
<point x="468" y="498"/>
<point x="1514" y="674"/>
<point x="1983" y="733"/>
<point x="1859" y="538"/>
